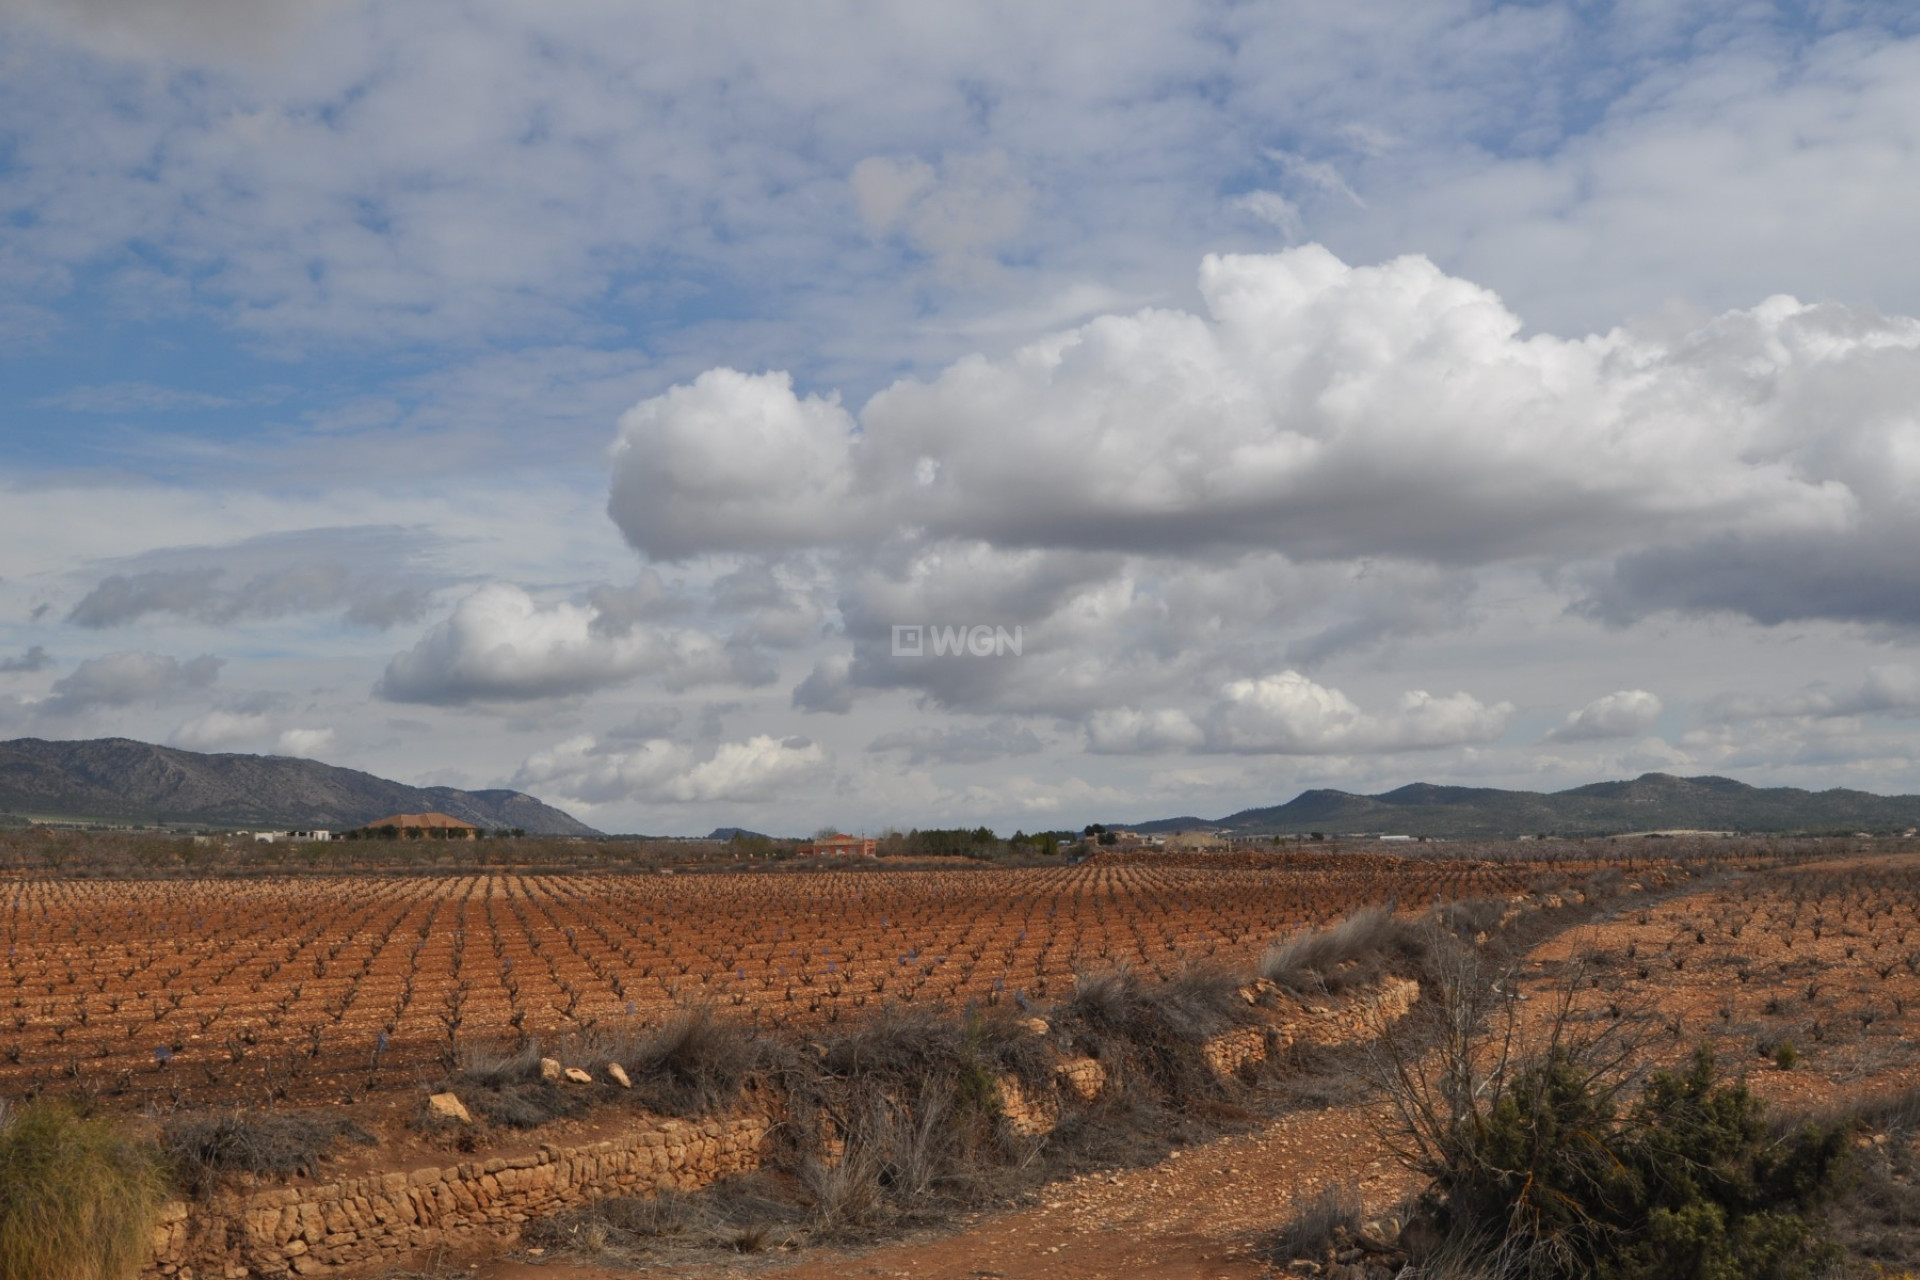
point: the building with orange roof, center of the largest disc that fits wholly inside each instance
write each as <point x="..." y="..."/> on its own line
<point x="416" y="826"/>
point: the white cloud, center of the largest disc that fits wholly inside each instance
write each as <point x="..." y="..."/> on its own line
<point x="1150" y="496"/>
<point x="305" y="743"/>
<point x="1321" y="410"/>
<point x="660" y="771"/>
<point x="1289" y="714"/>
<point x="124" y="679"/>
<point x="735" y="462"/>
<point x="221" y="728"/>
<point x="1628" y="713"/>
<point x="1315" y="173"/>
<point x="499" y="644"/>
<point x="248" y="723"/>
<point x="1330" y="412"/>
<point x="1273" y="209"/>
<point x="1129" y="731"/>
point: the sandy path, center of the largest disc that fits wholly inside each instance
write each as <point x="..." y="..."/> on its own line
<point x="1199" y="1215"/>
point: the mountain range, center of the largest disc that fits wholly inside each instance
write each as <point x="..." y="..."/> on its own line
<point x="120" y="780"/>
<point x="1651" y="802"/>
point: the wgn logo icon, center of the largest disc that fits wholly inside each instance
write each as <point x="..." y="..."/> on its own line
<point x="911" y="641"/>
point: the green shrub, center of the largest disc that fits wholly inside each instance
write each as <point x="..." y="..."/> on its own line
<point x="78" y="1199"/>
<point x="1686" y="1184"/>
<point x="1785" y="1056"/>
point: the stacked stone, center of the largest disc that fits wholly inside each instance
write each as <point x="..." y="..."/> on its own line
<point x="384" y="1218"/>
<point x="358" y="1225"/>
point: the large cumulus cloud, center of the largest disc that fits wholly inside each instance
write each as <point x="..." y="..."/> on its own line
<point x="1320" y="410"/>
<point x="735" y="462"/>
<point x="1329" y="458"/>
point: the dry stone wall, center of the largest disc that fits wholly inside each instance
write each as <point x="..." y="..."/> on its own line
<point x="358" y="1225"/>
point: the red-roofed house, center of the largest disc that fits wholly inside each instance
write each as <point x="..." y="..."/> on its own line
<point x="839" y="847"/>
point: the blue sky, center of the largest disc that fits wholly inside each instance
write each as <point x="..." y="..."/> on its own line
<point x="574" y="398"/>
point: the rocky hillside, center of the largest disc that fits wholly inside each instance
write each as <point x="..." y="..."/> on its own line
<point x="1651" y="802"/>
<point x="119" y="780"/>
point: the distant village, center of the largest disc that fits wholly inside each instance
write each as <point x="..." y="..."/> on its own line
<point x="1118" y="839"/>
<point x="398" y="826"/>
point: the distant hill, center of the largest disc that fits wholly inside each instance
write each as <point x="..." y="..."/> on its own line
<point x="1651" y="802"/>
<point x="119" y="780"/>
<point x="732" y="833"/>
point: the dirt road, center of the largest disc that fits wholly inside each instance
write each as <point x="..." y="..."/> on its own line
<point x="1199" y="1215"/>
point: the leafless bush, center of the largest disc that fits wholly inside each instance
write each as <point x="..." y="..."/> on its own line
<point x="1470" y="917"/>
<point x="902" y="1119"/>
<point x="201" y="1148"/>
<point x="1442" y="1071"/>
<point x="1151" y="1036"/>
<point x="1607" y="882"/>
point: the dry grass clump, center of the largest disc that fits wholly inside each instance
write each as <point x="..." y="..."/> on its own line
<point x="893" y="1122"/>
<point x="1150" y="1036"/>
<point x="901" y="1120"/>
<point x="200" y="1148"/>
<point x="78" y="1198"/>
<point x="504" y="1087"/>
<point x="1329" y="1221"/>
<point x="1354" y="952"/>
<point x="693" y="1064"/>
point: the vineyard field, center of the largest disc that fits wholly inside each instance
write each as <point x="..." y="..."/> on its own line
<point x="320" y="989"/>
<point x="1807" y="976"/>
